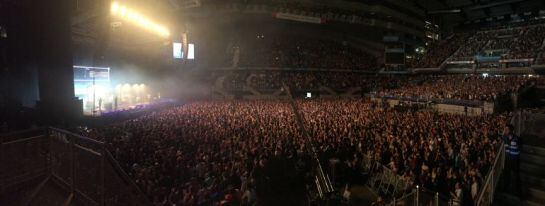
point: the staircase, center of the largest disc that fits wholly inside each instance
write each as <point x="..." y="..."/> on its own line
<point x="532" y="169"/>
<point x="532" y="163"/>
<point x="532" y="175"/>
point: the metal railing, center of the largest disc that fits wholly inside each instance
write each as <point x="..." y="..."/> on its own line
<point x="384" y="181"/>
<point x="486" y="193"/>
<point x="23" y="156"/>
<point x="387" y="183"/>
<point x="81" y="166"/>
<point x="461" y="102"/>
<point x="398" y="190"/>
<point x="422" y="196"/>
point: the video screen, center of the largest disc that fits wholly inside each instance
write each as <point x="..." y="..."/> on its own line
<point x="177" y="52"/>
<point x="190" y="51"/>
<point x="91" y="85"/>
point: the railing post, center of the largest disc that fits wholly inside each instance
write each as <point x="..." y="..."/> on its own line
<point x="50" y="150"/>
<point x="2" y="176"/>
<point x="395" y="201"/>
<point x="492" y="186"/>
<point x="72" y="165"/>
<point x="102" y="175"/>
<point x="436" y="198"/>
<point x="519" y="122"/>
<point x="417" y="195"/>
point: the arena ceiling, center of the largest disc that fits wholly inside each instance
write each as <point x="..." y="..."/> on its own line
<point x="446" y="13"/>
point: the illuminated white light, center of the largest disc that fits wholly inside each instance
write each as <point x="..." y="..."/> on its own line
<point x="309" y="95"/>
<point x="138" y="19"/>
<point x="132" y="16"/>
<point x="177" y="50"/>
<point x="115" y="7"/>
<point x="122" y="11"/>
<point x="190" y="51"/>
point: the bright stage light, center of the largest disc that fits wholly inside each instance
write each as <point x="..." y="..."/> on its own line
<point x="115" y="7"/>
<point x="122" y="11"/>
<point x="136" y="18"/>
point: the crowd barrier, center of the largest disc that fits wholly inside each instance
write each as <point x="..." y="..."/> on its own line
<point x="400" y="191"/>
<point x="23" y="159"/>
<point x="384" y="181"/>
<point x="486" y="194"/>
<point x="469" y="103"/>
<point x="88" y="171"/>
<point x="81" y="166"/>
<point x="467" y="107"/>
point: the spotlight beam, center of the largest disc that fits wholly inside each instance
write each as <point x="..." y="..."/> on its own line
<point x="134" y="17"/>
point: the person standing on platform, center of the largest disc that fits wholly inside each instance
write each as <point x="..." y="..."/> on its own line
<point x="512" y="153"/>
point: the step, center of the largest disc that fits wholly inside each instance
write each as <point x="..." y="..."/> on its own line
<point x="533" y="150"/>
<point x="530" y="180"/>
<point x="50" y="194"/>
<point x="532" y="203"/>
<point x="536" y="194"/>
<point x="532" y="168"/>
<point x="532" y="159"/>
<point x="504" y="199"/>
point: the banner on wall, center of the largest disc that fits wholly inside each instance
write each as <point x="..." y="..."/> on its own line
<point x="301" y="18"/>
<point x="516" y="60"/>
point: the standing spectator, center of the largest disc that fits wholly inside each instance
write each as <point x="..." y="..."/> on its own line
<point x="512" y="145"/>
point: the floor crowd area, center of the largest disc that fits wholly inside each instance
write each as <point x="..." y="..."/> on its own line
<point x="212" y="152"/>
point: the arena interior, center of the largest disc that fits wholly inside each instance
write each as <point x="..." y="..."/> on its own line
<point x="272" y="102"/>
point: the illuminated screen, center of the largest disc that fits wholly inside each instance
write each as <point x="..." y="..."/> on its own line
<point x="92" y="85"/>
<point x="190" y="51"/>
<point x="177" y="50"/>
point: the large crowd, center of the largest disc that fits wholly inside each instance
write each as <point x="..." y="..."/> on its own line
<point x="220" y="152"/>
<point x="459" y="87"/>
<point x="511" y="41"/>
<point x="452" y="87"/>
<point x="518" y="42"/>
<point x="528" y="44"/>
<point x="473" y="45"/>
<point x="266" y="81"/>
<point x="439" y="52"/>
<point x="305" y="53"/>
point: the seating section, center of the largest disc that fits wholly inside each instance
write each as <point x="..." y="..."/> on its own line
<point x="512" y="41"/>
<point x="439" y="52"/>
<point x="473" y="45"/>
<point x="528" y="44"/>
<point x="305" y="53"/>
<point x="453" y="87"/>
<point x="458" y="87"/>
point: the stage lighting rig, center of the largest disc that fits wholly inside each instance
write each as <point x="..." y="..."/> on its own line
<point x="128" y="14"/>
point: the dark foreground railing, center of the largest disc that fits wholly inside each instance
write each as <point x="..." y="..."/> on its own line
<point x="399" y="191"/>
<point x="81" y="166"/>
